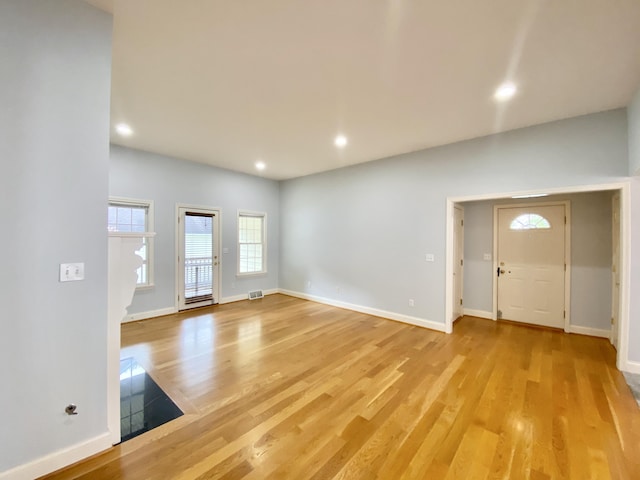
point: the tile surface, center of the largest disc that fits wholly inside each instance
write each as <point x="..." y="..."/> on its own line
<point x="633" y="380"/>
<point x="143" y="404"/>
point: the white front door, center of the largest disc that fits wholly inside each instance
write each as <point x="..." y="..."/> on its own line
<point x="531" y="264"/>
<point x="198" y="257"/>
<point x="458" y="262"/>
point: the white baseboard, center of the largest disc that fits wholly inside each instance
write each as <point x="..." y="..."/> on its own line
<point x="134" y="317"/>
<point x="245" y="296"/>
<point x="420" y="322"/>
<point x="592" y="332"/>
<point x="478" y="313"/>
<point x="631" y="367"/>
<point x="235" y="298"/>
<point x="57" y="460"/>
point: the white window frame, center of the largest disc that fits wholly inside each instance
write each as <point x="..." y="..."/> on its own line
<point x="263" y="215"/>
<point x="148" y="204"/>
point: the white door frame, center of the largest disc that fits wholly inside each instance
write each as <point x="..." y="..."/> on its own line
<point x="217" y="239"/>
<point x="567" y="253"/>
<point x="616" y="264"/>
<point x="455" y="261"/>
<point x="625" y="245"/>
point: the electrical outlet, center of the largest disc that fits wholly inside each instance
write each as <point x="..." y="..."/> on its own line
<point x="308" y="283"/>
<point x="411" y="302"/>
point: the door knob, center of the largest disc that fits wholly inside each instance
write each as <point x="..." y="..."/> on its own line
<point x="501" y="272"/>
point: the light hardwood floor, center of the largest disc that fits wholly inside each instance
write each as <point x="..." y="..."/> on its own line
<point x="282" y="388"/>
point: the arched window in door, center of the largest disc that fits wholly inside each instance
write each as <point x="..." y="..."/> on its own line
<point x="529" y="221"/>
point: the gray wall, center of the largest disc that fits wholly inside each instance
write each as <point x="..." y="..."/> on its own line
<point x="54" y="129"/>
<point x="363" y="229"/>
<point x="167" y="181"/>
<point x="591" y="253"/>
<point x="478" y="240"/>
<point x="633" y="113"/>
<point x="360" y="234"/>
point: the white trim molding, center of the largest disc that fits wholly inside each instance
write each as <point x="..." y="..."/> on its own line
<point x="57" y="460"/>
<point x="448" y="265"/>
<point x="161" y="312"/>
<point x="632" y="367"/>
<point x="592" y="332"/>
<point x="217" y="245"/>
<point x="399" y="317"/>
<point x="245" y="296"/>
<point x="479" y="313"/>
<point x="622" y="361"/>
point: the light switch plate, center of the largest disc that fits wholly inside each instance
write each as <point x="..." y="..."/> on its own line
<point x="71" y="272"/>
<point x="225" y="250"/>
<point x="487" y="257"/>
<point x="430" y="257"/>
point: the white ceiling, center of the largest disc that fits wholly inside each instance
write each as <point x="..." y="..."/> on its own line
<point x="229" y="82"/>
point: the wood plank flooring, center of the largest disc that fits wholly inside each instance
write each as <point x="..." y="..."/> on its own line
<point x="282" y="388"/>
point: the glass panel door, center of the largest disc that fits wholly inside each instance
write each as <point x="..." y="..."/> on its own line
<point x="197" y="258"/>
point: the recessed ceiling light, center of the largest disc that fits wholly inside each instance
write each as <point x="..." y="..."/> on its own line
<point x="532" y="195"/>
<point x="505" y="91"/>
<point x="340" y="141"/>
<point x="260" y="165"/>
<point x="124" y="129"/>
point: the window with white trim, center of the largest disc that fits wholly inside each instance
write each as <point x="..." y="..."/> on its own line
<point x="134" y="216"/>
<point x="252" y="243"/>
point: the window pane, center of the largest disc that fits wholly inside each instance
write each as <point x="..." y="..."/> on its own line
<point x="198" y="252"/>
<point x="123" y="217"/>
<point x="529" y="221"/>
<point x="250" y="243"/>
<point x="138" y="217"/>
<point x="141" y="274"/>
<point x="142" y="251"/>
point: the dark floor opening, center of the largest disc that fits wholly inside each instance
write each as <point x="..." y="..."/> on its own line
<point x="143" y="404"/>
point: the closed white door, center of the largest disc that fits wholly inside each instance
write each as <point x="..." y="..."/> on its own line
<point x="458" y="262"/>
<point x="531" y="261"/>
<point x="198" y="264"/>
